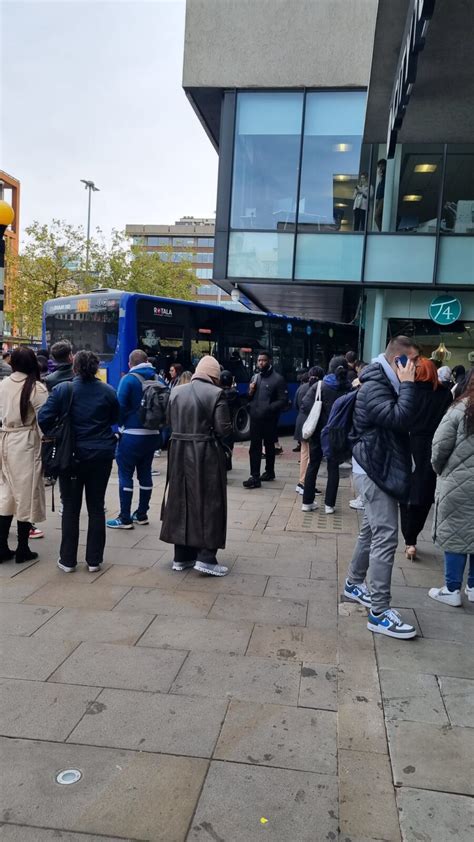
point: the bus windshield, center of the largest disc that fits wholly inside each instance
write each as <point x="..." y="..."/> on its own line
<point x="93" y="331"/>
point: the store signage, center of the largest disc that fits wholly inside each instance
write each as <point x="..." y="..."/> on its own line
<point x="445" y="310"/>
<point x="419" y="16"/>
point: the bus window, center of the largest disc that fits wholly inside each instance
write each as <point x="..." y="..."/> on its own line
<point x="92" y="331"/>
<point x="201" y="345"/>
<point x="165" y="342"/>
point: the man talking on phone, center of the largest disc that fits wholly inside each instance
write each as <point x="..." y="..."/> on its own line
<point x="383" y="413"/>
<point x="268" y="395"/>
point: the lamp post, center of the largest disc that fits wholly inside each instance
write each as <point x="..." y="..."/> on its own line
<point x="90" y="186"/>
<point x="7" y="215"/>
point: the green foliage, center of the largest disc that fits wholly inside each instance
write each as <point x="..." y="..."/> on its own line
<point x="52" y="264"/>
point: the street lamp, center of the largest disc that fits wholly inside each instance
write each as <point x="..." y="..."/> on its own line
<point x="90" y="186"/>
<point x="7" y="215"/>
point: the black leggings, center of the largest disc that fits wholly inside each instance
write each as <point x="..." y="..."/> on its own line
<point x="413" y="519"/>
<point x="315" y="459"/>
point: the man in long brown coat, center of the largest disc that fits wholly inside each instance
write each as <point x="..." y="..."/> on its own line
<point x="194" y="509"/>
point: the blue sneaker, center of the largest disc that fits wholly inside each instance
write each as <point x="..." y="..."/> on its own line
<point x="358" y="593"/>
<point x="141" y="520"/>
<point x="390" y="623"/>
<point x="117" y="523"/>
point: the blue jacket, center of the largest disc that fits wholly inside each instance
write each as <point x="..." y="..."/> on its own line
<point x="94" y="411"/>
<point x="130" y="392"/>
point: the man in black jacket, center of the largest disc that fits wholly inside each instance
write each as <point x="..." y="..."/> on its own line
<point x="61" y="353"/>
<point x="268" y="397"/>
<point x="384" y="410"/>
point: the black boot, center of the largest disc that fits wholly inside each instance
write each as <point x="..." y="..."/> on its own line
<point x="6" y="554"/>
<point x="23" y="552"/>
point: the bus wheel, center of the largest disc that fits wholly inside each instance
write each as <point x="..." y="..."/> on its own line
<point x="241" y="424"/>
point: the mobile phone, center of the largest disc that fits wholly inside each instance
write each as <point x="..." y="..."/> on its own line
<point x="401" y="361"/>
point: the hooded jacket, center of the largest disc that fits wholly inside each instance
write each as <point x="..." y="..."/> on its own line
<point x="130" y="393"/>
<point x="381" y="425"/>
<point x="331" y="389"/>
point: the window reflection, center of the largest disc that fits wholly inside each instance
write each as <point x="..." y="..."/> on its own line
<point x="458" y="200"/>
<point x="334" y="188"/>
<point x="267" y="146"/>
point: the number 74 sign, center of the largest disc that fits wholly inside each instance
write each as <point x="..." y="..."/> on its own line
<point x="445" y="310"/>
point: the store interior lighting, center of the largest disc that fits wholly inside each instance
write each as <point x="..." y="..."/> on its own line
<point x="426" y="168"/>
<point x="412" y="197"/>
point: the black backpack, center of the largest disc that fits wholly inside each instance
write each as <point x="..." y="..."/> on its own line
<point x="57" y="448"/>
<point x="154" y="403"/>
<point x="336" y="440"/>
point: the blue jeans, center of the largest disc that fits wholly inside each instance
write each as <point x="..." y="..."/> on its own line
<point x="454" y="564"/>
<point x="135" y="453"/>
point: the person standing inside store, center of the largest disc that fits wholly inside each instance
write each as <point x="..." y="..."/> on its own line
<point x="194" y="511"/>
<point x="384" y="411"/>
<point x="380" y="192"/>
<point x="268" y="396"/>
<point x="61" y="353"/>
<point x="432" y="402"/>
<point x="361" y="201"/>
<point x="453" y="522"/>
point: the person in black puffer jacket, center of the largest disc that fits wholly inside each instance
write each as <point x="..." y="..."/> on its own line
<point x="384" y="411"/>
<point x="335" y="384"/>
<point x="268" y="397"/>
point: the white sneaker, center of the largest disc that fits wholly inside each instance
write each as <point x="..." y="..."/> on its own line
<point x="448" y="597"/>
<point x="94" y="568"/>
<point x="211" y="569"/>
<point x="64" y="567"/>
<point x="356" y="504"/>
<point x="300" y="488"/>
<point x="329" y="510"/>
<point x="469" y="593"/>
<point x="309" y="507"/>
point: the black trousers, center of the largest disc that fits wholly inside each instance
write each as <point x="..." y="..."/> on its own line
<point x="266" y="432"/>
<point x="413" y="519"/>
<point x="92" y="478"/>
<point x="183" y="554"/>
<point x="359" y="219"/>
<point x="315" y="459"/>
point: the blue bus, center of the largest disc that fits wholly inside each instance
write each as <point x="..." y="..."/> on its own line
<point x="112" y="323"/>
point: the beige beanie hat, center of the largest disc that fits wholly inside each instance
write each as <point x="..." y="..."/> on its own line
<point x="208" y="367"/>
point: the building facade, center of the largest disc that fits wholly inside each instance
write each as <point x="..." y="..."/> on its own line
<point x="10" y="192"/>
<point x="346" y="163"/>
<point x="189" y="239"/>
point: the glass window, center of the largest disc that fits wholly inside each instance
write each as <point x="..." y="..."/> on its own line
<point x="399" y="259"/>
<point x="326" y="257"/>
<point x="458" y="199"/>
<point x="203" y="273"/>
<point x="255" y="255"/>
<point x="162" y="341"/>
<point x="334" y="189"/>
<point x="183" y="241"/>
<point x="266" y="155"/>
<point x="181" y="256"/>
<point x="138" y="241"/>
<point x="92" y="331"/>
<point x="205" y="242"/>
<point x="158" y="241"/>
<point x="164" y="256"/>
<point x="207" y="289"/>
<point x="243" y="338"/>
<point x="203" y="257"/>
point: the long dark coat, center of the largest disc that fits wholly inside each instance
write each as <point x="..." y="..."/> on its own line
<point x="194" y="511"/>
<point x="431" y="406"/>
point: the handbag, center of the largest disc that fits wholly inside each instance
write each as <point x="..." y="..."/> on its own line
<point x="57" y="447"/>
<point x="224" y="447"/>
<point x="311" y="422"/>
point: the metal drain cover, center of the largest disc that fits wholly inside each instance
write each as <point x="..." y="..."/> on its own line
<point x="68" y="776"/>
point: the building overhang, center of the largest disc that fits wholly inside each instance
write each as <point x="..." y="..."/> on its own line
<point x="440" y="104"/>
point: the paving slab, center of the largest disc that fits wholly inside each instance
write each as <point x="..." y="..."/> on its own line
<point x="294" y="643"/>
<point x="434" y="816"/>
<point x="254" y="550"/>
<point x="236" y="797"/>
<point x="30" y="657"/>
<point x="201" y="634"/>
<point x="458" y="697"/>
<point x="24" y="619"/>
<point x="323" y="570"/>
<point x="437" y="657"/>
<point x="275" y="735"/>
<point x="144" y="577"/>
<point x="72" y="594"/>
<point x="458" y="625"/>
<point x="367" y="798"/>
<point x="412" y="696"/>
<point x="323" y="592"/>
<point x="15" y="590"/>
<point x="418" y="599"/>
<point x="21" y="833"/>
<point x="233" y="583"/>
<point x="122" y="667"/>
<point x="272" y="566"/>
<point x="35" y="710"/>
<point x="79" y="624"/>
<point x="318" y="686"/>
<point x="259" y="609"/>
<point x="121" y="793"/>
<point x="434" y="757"/>
<point x="180" y="603"/>
<point x="215" y="675"/>
<point x="152" y="722"/>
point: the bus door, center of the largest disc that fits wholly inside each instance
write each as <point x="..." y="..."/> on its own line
<point x="161" y="332"/>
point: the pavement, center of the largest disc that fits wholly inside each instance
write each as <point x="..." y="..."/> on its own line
<point x="252" y="707"/>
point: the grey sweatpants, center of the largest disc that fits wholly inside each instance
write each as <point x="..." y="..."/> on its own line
<point x="377" y="543"/>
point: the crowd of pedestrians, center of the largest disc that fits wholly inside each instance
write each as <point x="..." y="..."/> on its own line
<point x="407" y="425"/>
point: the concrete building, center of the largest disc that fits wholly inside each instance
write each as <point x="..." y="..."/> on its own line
<point x="302" y="99"/>
<point x="191" y="239"/>
<point x="10" y="192"/>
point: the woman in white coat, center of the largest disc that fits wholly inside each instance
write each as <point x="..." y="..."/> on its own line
<point x="21" y="480"/>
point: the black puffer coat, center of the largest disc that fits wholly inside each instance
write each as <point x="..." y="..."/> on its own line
<point x="380" y="435"/>
<point x="430" y="408"/>
<point x="194" y="511"/>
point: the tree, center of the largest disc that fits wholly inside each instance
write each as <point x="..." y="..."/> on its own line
<point x="52" y="264"/>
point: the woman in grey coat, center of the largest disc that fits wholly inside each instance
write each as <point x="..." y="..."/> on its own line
<point x="194" y="510"/>
<point x="453" y="522"/>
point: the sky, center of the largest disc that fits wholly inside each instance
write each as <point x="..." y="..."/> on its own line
<point x="93" y="90"/>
